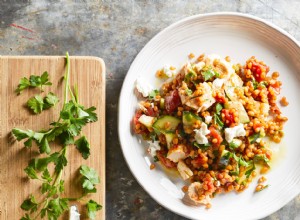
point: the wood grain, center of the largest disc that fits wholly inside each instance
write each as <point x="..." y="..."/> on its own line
<point x="89" y="74"/>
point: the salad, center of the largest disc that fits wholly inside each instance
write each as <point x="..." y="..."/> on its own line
<point x="212" y="121"/>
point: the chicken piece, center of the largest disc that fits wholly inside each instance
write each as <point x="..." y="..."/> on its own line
<point x="195" y="195"/>
<point x="191" y="101"/>
<point x="176" y="153"/>
<point x="207" y="97"/>
<point x="184" y="170"/>
<point x="220" y="65"/>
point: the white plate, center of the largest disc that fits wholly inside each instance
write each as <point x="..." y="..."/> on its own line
<point x="239" y="36"/>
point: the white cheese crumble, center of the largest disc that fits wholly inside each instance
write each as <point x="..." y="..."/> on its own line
<point x="153" y="147"/>
<point x="143" y="87"/>
<point x="237" y="131"/>
<point x="208" y="119"/>
<point x="201" y="134"/>
<point x="168" y="71"/>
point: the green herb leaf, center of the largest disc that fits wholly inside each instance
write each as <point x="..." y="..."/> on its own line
<point x="83" y="146"/>
<point x="36" y="104"/>
<point x="249" y="171"/>
<point x="31" y="173"/>
<point x="153" y="94"/>
<point x="261" y="158"/>
<point x="29" y="204"/>
<point x="46" y="176"/>
<point x="50" y="100"/>
<point x="45" y="187"/>
<point x="255" y="84"/>
<point x="201" y="146"/>
<point x="254" y="137"/>
<point x="56" y="207"/>
<point x="33" y="81"/>
<point x="188" y="92"/>
<point x="190" y="76"/>
<point x="22" y="134"/>
<point x="40" y="164"/>
<point x="155" y="158"/>
<point x="45" y="79"/>
<point x="23" y="84"/>
<point x="263" y="84"/>
<point x="218" y="121"/>
<point x="219" y="107"/>
<point x="233" y="145"/>
<point x="208" y="74"/>
<point x="26" y="217"/>
<point x="92" y="208"/>
<point x="61" y="186"/>
<point x="44" y="146"/>
<point x="89" y="180"/>
<point x="61" y="161"/>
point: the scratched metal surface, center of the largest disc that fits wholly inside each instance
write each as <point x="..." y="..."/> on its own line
<point x="117" y="31"/>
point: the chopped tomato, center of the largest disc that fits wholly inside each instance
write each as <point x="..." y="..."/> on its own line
<point x="220" y="97"/>
<point x="172" y="101"/>
<point x="150" y="112"/>
<point x="165" y="161"/>
<point x="137" y="126"/>
<point x="229" y="117"/>
<point x="215" y="134"/>
<point x="136" y="117"/>
<point x="259" y="71"/>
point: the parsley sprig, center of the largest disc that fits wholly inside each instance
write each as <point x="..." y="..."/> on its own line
<point x="33" y="82"/>
<point x="73" y="117"/>
<point x="37" y="104"/>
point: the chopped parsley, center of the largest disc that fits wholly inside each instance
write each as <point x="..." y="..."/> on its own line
<point x="153" y="94"/>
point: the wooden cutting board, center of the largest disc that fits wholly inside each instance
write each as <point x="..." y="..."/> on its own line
<point x="89" y="74"/>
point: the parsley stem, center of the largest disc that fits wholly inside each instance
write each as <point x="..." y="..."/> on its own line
<point x="66" y="77"/>
<point x="38" y="214"/>
<point x="58" y="177"/>
<point x="75" y="199"/>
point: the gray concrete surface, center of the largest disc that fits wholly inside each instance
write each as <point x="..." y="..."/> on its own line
<point x="117" y="31"/>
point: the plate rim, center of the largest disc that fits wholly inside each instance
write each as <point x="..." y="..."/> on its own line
<point x="161" y="32"/>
